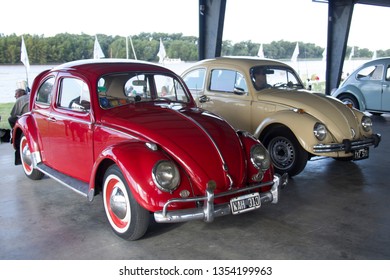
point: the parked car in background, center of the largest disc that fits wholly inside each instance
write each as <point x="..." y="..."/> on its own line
<point x="132" y="132"/>
<point x="292" y="123"/>
<point x="368" y="87"/>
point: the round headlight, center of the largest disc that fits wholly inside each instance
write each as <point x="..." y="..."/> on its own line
<point x="260" y="157"/>
<point x="366" y="123"/>
<point x="320" y="131"/>
<point x="166" y="175"/>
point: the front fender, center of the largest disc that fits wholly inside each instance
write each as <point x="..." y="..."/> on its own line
<point x="27" y="126"/>
<point x="301" y="124"/>
<point x="136" y="162"/>
<point x="355" y="92"/>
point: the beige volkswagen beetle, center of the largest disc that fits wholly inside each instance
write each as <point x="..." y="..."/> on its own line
<point x="267" y="98"/>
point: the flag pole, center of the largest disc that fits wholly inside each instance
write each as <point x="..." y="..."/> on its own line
<point x="27" y="86"/>
<point x="127" y="47"/>
<point x="132" y="47"/>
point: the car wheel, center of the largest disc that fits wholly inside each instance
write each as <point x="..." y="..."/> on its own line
<point x="127" y="218"/>
<point x="286" y="153"/>
<point x="26" y="159"/>
<point x="349" y="99"/>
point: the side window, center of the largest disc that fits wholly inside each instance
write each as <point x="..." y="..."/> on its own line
<point x="45" y="91"/>
<point x="240" y="84"/>
<point x="388" y="73"/>
<point x="378" y="73"/>
<point x="195" y="79"/>
<point x="74" y="95"/>
<point x="370" y="73"/>
<point x="223" y="80"/>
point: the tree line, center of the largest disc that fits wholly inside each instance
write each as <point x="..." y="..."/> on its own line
<point x="66" y="47"/>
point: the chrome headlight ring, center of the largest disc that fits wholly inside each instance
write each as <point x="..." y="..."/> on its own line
<point x="320" y="131"/>
<point x="260" y="157"/>
<point x="366" y="123"/>
<point x="166" y="175"/>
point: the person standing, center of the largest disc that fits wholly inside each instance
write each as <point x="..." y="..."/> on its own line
<point x="20" y="107"/>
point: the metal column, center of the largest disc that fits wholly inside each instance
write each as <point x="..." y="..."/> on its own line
<point x="211" y="21"/>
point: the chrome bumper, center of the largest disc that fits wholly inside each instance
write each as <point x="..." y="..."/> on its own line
<point x="348" y="145"/>
<point x="209" y="211"/>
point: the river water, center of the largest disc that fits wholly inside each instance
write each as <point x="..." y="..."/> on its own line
<point x="12" y="76"/>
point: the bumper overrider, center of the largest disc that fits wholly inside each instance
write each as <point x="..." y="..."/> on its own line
<point x="209" y="211"/>
<point x="348" y="145"/>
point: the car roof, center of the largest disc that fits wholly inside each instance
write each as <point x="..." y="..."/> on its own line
<point x="245" y="62"/>
<point x="103" y="66"/>
<point x="381" y="60"/>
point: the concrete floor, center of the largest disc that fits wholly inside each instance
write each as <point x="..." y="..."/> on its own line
<point x="332" y="210"/>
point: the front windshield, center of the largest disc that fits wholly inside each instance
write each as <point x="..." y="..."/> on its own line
<point x="119" y="89"/>
<point x="264" y="77"/>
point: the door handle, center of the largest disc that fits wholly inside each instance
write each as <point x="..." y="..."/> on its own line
<point x="203" y="99"/>
<point x="51" y="119"/>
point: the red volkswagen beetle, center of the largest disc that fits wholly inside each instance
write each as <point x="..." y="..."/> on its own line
<point x="131" y="131"/>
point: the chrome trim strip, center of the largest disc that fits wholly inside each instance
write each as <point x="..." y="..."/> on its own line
<point x="58" y="116"/>
<point x="124" y="133"/>
<point x="224" y="165"/>
<point x="209" y="136"/>
<point x="62" y="182"/>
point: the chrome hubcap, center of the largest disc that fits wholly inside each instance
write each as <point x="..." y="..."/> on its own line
<point x="118" y="203"/>
<point x="26" y="155"/>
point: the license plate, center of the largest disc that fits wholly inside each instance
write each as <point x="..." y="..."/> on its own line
<point x="245" y="203"/>
<point x="360" y="154"/>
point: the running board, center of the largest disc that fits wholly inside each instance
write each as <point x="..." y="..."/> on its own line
<point x="76" y="185"/>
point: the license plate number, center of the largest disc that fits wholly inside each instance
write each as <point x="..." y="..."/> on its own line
<point x="360" y="154"/>
<point x="245" y="203"/>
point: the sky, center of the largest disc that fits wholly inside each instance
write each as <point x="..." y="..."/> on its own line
<point x="260" y="21"/>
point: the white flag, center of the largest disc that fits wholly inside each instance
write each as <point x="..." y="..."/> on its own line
<point x="324" y="54"/>
<point x="352" y="53"/>
<point x="374" y="55"/>
<point x="294" y="57"/>
<point x="161" y="52"/>
<point x="97" y="50"/>
<point x="260" y="53"/>
<point x="24" y="56"/>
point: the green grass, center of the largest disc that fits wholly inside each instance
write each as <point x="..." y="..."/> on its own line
<point x="5" y="109"/>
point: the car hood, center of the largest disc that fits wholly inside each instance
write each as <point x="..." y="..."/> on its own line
<point x="338" y="118"/>
<point x="200" y="142"/>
